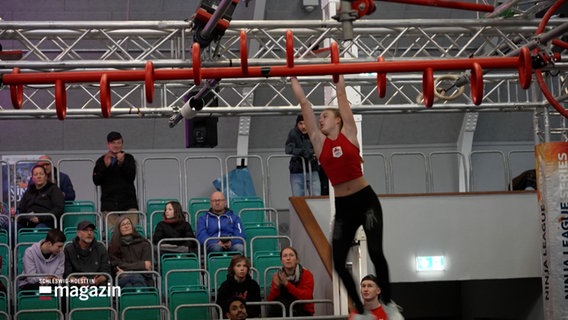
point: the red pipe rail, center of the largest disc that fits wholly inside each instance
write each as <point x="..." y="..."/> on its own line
<point x="149" y="75"/>
<point x="447" y="4"/>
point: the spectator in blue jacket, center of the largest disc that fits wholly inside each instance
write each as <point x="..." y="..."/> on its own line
<point x="220" y="221"/>
<point x="62" y="180"/>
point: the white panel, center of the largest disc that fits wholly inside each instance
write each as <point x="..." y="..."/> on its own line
<point x="483" y="236"/>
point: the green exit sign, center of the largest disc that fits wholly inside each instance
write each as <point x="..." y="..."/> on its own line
<point x="430" y="263"/>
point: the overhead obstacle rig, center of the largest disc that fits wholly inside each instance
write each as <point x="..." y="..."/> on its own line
<point x="149" y="75"/>
<point x="351" y="10"/>
<point x="547" y="58"/>
<point x="209" y="24"/>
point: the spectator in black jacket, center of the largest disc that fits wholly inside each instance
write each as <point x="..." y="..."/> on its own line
<point x="174" y="225"/>
<point x="42" y="197"/>
<point x="115" y="172"/>
<point x="303" y="181"/>
<point x="86" y="254"/>
<point x="62" y="180"/>
<point x="239" y="283"/>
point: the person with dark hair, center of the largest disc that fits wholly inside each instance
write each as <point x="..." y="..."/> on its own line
<point x="235" y="308"/>
<point x="61" y="179"/>
<point x="239" y="283"/>
<point x="173" y="225"/>
<point x="292" y="282"/>
<point x="304" y="176"/>
<point x="115" y="172"/>
<point x="86" y="254"/>
<point x="129" y="251"/>
<point x="44" y="257"/>
<point x="41" y="197"/>
<point x="371" y="294"/>
<point x="335" y="142"/>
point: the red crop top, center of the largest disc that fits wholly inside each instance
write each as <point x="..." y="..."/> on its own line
<point x="340" y="160"/>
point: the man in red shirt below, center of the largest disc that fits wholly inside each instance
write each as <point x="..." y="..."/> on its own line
<point x="371" y="295"/>
<point x="370" y="292"/>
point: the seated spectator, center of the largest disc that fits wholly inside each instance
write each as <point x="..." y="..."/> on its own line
<point x="129" y="251"/>
<point x="86" y="254"/>
<point x="371" y="294"/>
<point x="235" y="308"/>
<point x="239" y="283"/>
<point x="62" y="180"/>
<point x="292" y="282"/>
<point x="220" y="221"/>
<point x="4" y="216"/>
<point x="41" y="197"/>
<point x="174" y="225"/>
<point x="44" y="257"/>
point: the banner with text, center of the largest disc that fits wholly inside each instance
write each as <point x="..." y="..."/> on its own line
<point x="552" y="174"/>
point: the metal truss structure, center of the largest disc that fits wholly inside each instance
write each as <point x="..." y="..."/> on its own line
<point x="88" y="46"/>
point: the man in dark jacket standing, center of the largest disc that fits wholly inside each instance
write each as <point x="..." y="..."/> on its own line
<point x="115" y="172"/>
<point x="299" y="146"/>
<point x="86" y="254"/>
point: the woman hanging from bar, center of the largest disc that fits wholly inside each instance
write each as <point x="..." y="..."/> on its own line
<point x="335" y="144"/>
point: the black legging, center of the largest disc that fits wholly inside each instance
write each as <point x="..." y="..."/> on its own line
<point x="361" y="208"/>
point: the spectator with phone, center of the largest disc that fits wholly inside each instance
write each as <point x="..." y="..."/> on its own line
<point x="220" y="222"/>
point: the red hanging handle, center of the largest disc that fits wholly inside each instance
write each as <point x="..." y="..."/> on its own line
<point x="334" y="48"/>
<point x="244" y="52"/>
<point x="196" y="64"/>
<point x="149" y="81"/>
<point x="17" y="92"/>
<point x="104" y="95"/>
<point x="381" y="80"/>
<point x="289" y="49"/>
<point x="428" y="87"/>
<point x="476" y="83"/>
<point x="60" y="100"/>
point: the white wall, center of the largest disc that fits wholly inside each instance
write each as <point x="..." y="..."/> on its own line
<point x="482" y="236"/>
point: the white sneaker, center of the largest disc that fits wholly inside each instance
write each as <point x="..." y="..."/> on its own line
<point x="393" y="311"/>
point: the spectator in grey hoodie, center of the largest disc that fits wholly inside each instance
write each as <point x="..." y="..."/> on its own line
<point x="44" y="257"/>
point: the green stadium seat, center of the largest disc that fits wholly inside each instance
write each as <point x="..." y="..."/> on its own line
<point x="180" y="261"/>
<point x="212" y="310"/>
<point x="252" y="216"/>
<point x="83" y="313"/>
<point x="186" y="295"/>
<point x="84" y="306"/>
<point x="136" y="297"/>
<point x="264" y="261"/>
<point x="30" y="300"/>
<point x="262" y="237"/>
<point x="31" y="234"/>
<point x="196" y="204"/>
<point x="5" y="255"/>
<point x="19" y="251"/>
<point x="79" y="206"/>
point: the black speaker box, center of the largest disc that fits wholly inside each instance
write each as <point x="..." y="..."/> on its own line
<point x="201" y="132"/>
